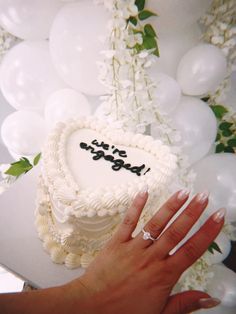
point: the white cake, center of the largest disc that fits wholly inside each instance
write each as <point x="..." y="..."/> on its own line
<point x="90" y="174"/>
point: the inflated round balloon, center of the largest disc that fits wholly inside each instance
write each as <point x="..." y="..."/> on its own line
<point x="217" y="174"/>
<point x="198" y="127"/>
<point x="76" y="44"/>
<point x="27" y="75"/>
<point x="65" y="104"/>
<point x="28" y="19"/>
<point x="225" y="246"/>
<point x="23" y="132"/>
<point x="201" y="69"/>
<point x="167" y="91"/>
<point x="223" y="286"/>
<point x="175" y="15"/>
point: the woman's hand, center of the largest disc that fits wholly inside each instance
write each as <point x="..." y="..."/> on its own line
<point x="133" y="275"/>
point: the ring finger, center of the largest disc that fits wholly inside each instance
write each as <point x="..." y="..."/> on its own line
<point x="159" y="221"/>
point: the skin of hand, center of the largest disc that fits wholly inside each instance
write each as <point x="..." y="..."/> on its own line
<point x="133" y="275"/>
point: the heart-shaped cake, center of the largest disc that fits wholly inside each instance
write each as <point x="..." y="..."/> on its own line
<point x="90" y="174"/>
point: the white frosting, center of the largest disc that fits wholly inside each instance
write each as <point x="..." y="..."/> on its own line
<point x="81" y="200"/>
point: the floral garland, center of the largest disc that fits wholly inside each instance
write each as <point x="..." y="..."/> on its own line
<point x="130" y="102"/>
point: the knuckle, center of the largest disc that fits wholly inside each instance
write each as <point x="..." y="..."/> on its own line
<point x="190" y="213"/>
<point x="171" y="207"/>
<point x="191" y="251"/>
<point x="174" y="235"/>
<point x="128" y="221"/>
<point x="153" y="227"/>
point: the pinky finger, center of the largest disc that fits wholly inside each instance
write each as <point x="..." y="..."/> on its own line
<point x="129" y="223"/>
<point x="199" y="242"/>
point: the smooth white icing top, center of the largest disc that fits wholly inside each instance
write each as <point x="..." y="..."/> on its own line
<point x="83" y="187"/>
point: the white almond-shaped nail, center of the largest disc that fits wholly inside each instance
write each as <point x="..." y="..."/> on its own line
<point x="219" y="215"/>
<point x="143" y="191"/>
<point x="183" y="194"/>
<point x="208" y="303"/>
<point x="202" y="197"/>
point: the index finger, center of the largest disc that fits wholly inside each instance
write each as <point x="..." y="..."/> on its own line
<point x="129" y="223"/>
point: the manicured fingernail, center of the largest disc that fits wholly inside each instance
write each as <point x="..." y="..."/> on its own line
<point x="209" y="302"/>
<point x="219" y="215"/>
<point x="202" y="197"/>
<point x="143" y="191"/>
<point x="182" y="194"/>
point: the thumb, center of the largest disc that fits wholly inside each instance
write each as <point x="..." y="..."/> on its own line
<point x="189" y="301"/>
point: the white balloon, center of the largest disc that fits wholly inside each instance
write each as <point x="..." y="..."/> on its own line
<point x="65" y="104"/>
<point x="176" y="15"/>
<point x="28" y="19"/>
<point x="167" y="92"/>
<point x="217" y="174"/>
<point x="225" y="246"/>
<point x="223" y="286"/>
<point x="76" y="45"/>
<point x="23" y="132"/>
<point x="201" y="69"/>
<point x="198" y="127"/>
<point x="27" y="75"/>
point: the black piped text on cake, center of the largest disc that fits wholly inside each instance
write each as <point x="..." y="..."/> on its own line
<point x="118" y="163"/>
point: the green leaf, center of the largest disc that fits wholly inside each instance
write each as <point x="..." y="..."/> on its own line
<point x="219" y="111"/>
<point x="19" y="167"/>
<point x="220" y="148"/>
<point x="218" y="136"/>
<point x="149" y="30"/>
<point x="228" y="149"/>
<point x="149" y="42"/>
<point x="133" y="20"/>
<point x="214" y="247"/>
<point x="36" y="159"/>
<point x="145" y="14"/>
<point x="140" y="4"/>
<point x="225" y="126"/>
<point x="232" y="142"/>
<point x="227" y="133"/>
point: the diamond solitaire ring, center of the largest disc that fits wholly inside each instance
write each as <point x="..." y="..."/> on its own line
<point x="147" y="235"/>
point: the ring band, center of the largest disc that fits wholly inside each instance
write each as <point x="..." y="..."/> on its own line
<point x="147" y="235"/>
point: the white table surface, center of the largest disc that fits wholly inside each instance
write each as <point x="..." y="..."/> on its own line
<point x="20" y="249"/>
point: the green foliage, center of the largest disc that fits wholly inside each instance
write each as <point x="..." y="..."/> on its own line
<point x="22" y="166"/>
<point x="226" y="135"/>
<point x="133" y="20"/>
<point x="214" y="247"/>
<point x="147" y="31"/>
<point x="219" y="111"/>
<point x="140" y="4"/>
<point x="36" y="159"/>
<point x="232" y="142"/>
<point x="220" y="148"/>
<point x="145" y="14"/>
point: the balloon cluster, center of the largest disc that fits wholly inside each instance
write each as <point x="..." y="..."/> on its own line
<point x="49" y="75"/>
